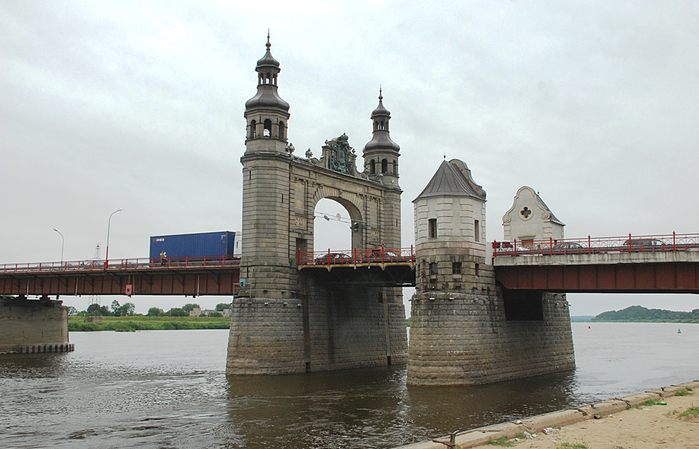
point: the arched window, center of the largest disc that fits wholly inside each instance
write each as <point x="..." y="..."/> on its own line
<point x="384" y="166"/>
<point x="253" y="129"/>
<point x="268" y="128"/>
<point x="282" y="136"/>
<point x="372" y="167"/>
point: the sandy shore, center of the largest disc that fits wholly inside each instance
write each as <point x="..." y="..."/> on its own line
<point x="625" y="423"/>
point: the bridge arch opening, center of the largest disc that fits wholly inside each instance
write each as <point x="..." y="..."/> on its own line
<point x="336" y="225"/>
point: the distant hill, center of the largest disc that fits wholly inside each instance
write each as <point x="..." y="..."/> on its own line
<point x="581" y="318"/>
<point x="642" y="315"/>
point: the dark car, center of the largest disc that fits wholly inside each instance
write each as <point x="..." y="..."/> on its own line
<point x="377" y="257"/>
<point x="568" y="248"/>
<point x="643" y="245"/>
<point x="333" y="259"/>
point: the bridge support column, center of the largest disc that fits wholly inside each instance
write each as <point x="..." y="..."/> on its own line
<point x="33" y="326"/>
<point x="486" y="336"/>
<point x="324" y="328"/>
<point x="355" y="326"/>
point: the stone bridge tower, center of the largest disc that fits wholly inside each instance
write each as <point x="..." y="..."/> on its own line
<point x="465" y="329"/>
<point x="286" y="320"/>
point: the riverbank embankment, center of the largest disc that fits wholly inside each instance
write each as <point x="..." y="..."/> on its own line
<point x="146" y="323"/>
<point x="645" y="420"/>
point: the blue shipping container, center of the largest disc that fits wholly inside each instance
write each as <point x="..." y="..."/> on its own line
<point x="206" y="244"/>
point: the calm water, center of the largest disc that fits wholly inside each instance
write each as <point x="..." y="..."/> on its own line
<point x="168" y="389"/>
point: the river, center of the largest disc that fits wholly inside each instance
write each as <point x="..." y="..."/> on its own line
<point x="168" y="389"/>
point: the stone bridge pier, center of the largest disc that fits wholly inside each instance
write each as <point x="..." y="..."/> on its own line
<point x="465" y="329"/>
<point x="30" y="326"/>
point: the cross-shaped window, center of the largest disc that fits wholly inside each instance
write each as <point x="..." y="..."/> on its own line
<point x="525" y="212"/>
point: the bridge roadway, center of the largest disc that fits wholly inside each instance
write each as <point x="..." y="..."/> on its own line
<point x="629" y="264"/>
<point x="193" y="276"/>
<point x="636" y="272"/>
<point x="604" y="265"/>
<point x="122" y="277"/>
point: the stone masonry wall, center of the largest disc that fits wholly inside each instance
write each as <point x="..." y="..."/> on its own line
<point x="266" y="336"/>
<point x="31" y="323"/>
<point x="347" y="328"/>
<point x="355" y="327"/>
<point x="464" y="338"/>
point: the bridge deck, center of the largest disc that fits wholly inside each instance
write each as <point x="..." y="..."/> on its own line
<point x="657" y="264"/>
<point x="647" y="272"/>
<point x="195" y="277"/>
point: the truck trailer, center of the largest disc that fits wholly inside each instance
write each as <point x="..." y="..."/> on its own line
<point x="221" y="245"/>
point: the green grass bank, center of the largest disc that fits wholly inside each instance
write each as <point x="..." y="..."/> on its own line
<point x="146" y="323"/>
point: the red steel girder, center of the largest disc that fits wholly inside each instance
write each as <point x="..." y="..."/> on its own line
<point x="602" y="278"/>
<point x="219" y="281"/>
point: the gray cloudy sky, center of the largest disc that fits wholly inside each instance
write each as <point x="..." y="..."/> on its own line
<point x="139" y="105"/>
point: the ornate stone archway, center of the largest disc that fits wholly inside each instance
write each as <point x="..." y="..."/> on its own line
<point x="285" y="321"/>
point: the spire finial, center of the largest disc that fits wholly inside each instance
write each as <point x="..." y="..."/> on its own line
<point x="268" y="44"/>
<point x="380" y="93"/>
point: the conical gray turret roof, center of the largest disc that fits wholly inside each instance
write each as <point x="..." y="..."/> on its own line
<point x="453" y="178"/>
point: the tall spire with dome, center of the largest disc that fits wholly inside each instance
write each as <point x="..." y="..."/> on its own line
<point x="267" y="113"/>
<point x="381" y="153"/>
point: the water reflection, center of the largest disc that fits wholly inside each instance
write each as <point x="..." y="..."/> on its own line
<point x="462" y="408"/>
<point x="354" y="408"/>
<point x="369" y="408"/>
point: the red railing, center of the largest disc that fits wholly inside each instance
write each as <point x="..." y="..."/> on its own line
<point x="356" y="256"/>
<point x="120" y="264"/>
<point x="593" y="245"/>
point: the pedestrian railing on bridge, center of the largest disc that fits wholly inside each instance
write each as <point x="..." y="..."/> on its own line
<point x="152" y="263"/>
<point x="595" y="245"/>
<point x="356" y="257"/>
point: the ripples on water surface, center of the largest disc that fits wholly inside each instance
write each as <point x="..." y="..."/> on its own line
<point x="168" y="389"/>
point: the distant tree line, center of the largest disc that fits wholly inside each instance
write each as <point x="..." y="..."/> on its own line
<point x="129" y="309"/>
<point x="644" y="315"/>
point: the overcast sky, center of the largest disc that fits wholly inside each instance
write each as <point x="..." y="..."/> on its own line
<point x="139" y="105"/>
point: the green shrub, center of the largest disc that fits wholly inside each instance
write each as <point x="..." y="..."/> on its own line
<point x="646" y="403"/>
<point x="502" y="441"/>
<point x="690" y="412"/>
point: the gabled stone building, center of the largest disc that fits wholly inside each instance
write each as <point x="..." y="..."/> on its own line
<point x="530" y="219"/>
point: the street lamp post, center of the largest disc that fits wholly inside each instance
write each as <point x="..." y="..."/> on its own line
<point x="63" y="241"/>
<point x="109" y="225"/>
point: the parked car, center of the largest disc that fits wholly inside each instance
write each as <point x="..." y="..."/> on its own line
<point x="387" y="256"/>
<point x="568" y="248"/>
<point x="333" y="259"/>
<point x="633" y="245"/>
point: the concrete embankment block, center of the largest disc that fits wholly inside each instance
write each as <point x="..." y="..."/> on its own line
<point x="610" y="406"/>
<point x="554" y="419"/>
<point x="672" y="389"/>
